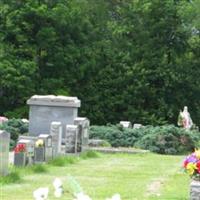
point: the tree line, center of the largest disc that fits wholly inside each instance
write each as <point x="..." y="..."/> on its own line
<point x="136" y="60"/>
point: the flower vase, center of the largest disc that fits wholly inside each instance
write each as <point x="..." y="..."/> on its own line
<point x="20" y="159"/>
<point x="195" y="189"/>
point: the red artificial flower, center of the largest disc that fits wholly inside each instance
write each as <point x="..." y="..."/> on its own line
<point x="198" y="166"/>
<point x="185" y="163"/>
<point x="20" y="148"/>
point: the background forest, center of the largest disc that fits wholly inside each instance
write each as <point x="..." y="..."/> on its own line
<point x="136" y="60"/>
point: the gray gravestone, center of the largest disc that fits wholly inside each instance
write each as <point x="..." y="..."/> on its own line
<point x="47" y="146"/>
<point x="29" y="150"/>
<point x="195" y="190"/>
<point x="56" y="133"/>
<point x="126" y="124"/>
<point x="83" y="132"/>
<point x="71" y="138"/>
<point x="4" y="152"/>
<point x="39" y="155"/>
<point x="46" y="109"/>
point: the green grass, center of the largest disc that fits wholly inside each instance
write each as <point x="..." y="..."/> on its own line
<point x="39" y="168"/>
<point x="89" y="154"/>
<point x="63" y="160"/>
<point x="12" y="177"/>
<point x="134" y="176"/>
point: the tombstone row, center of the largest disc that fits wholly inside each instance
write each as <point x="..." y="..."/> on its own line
<point x="44" y="147"/>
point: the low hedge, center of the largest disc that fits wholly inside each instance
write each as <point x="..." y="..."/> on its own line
<point x="166" y="139"/>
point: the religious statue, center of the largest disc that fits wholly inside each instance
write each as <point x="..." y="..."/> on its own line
<point x="184" y="119"/>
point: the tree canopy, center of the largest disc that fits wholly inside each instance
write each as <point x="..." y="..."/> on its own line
<point x="136" y="60"/>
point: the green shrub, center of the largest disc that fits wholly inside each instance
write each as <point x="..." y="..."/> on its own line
<point x="15" y="127"/>
<point x="169" y="140"/>
<point x="116" y="135"/>
<point x="166" y="139"/>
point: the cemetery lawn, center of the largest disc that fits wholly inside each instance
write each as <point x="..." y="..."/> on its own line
<point x="134" y="176"/>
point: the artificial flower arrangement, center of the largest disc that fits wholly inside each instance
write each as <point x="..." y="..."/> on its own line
<point x="39" y="143"/>
<point x="192" y="165"/>
<point x="75" y="191"/>
<point x="20" y="148"/>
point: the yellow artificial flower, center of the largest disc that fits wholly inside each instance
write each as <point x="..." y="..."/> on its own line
<point x="191" y="167"/>
<point x="197" y="153"/>
<point x="39" y="143"/>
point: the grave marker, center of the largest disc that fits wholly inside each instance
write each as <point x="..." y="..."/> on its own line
<point x="71" y="138"/>
<point x="56" y="133"/>
<point x="4" y="152"/>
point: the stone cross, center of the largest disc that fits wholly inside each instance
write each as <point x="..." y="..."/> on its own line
<point x="56" y="133"/>
<point x="4" y="152"/>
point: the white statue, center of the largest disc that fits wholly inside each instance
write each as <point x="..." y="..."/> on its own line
<point x="184" y="119"/>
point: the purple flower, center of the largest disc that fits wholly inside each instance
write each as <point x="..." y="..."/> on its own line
<point x="191" y="159"/>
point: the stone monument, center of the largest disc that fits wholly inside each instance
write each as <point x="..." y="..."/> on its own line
<point x="4" y="152"/>
<point x="83" y="133"/>
<point x="46" y="109"/>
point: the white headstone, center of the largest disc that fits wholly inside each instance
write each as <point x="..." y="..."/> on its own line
<point x="56" y="133"/>
<point x="4" y="152"/>
<point x="137" y="125"/>
<point x="126" y="124"/>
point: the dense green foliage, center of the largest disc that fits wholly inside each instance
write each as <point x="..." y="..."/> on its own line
<point x="161" y="139"/>
<point x="134" y="60"/>
<point x="15" y="127"/>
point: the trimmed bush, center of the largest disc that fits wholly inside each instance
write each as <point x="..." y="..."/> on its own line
<point x="117" y="136"/>
<point x="166" y="139"/>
